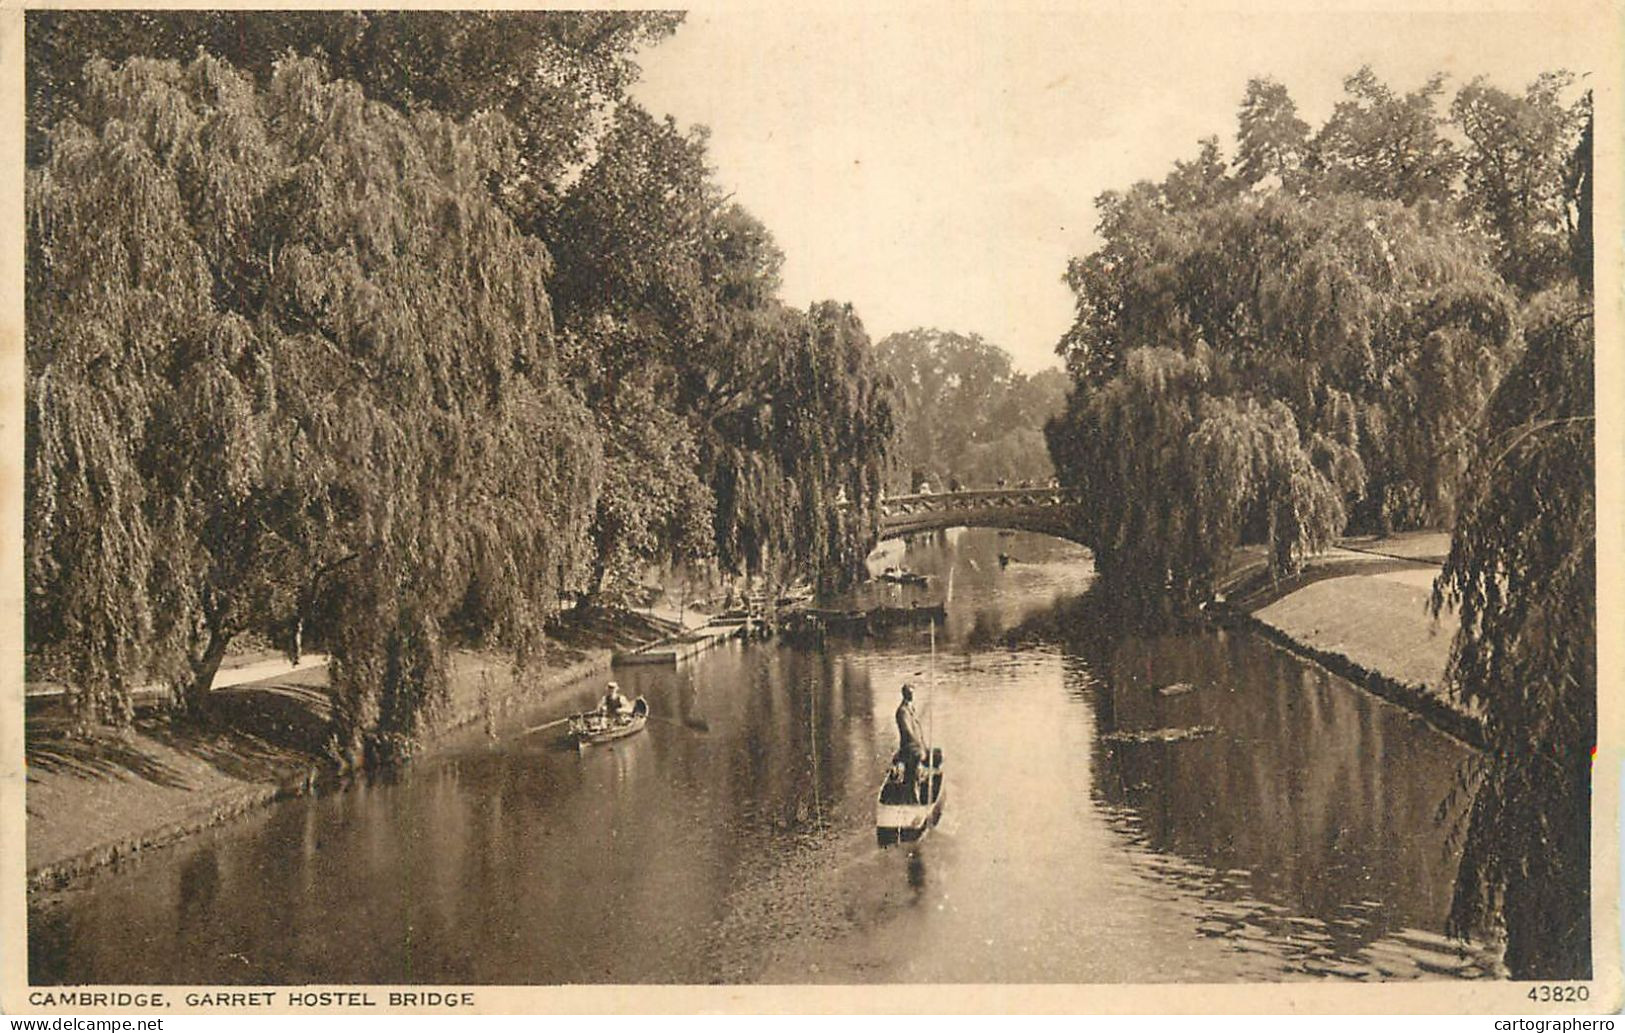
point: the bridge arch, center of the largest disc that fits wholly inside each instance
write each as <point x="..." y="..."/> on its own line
<point x="1051" y="511"/>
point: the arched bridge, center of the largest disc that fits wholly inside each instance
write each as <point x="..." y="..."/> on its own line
<point x="1054" y="511"/>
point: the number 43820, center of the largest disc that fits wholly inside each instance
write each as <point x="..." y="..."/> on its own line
<point x="1547" y="992"/>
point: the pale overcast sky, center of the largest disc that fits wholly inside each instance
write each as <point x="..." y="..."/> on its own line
<point x="937" y="166"/>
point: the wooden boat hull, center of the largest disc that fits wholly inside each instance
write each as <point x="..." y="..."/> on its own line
<point x="592" y="728"/>
<point x="900" y="820"/>
<point x="906" y="824"/>
<point x="814" y="623"/>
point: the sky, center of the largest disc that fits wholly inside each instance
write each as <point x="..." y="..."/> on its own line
<point x="936" y="165"/>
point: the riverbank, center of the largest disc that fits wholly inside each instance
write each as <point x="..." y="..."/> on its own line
<point x="1360" y="610"/>
<point x="95" y="801"/>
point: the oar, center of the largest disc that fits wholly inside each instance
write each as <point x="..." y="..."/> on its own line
<point x="549" y="724"/>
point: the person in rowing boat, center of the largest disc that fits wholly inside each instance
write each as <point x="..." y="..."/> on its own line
<point x="614" y="704"/>
<point x="910" y="742"/>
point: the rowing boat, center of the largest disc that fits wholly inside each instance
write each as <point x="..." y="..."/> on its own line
<point x="899" y="816"/>
<point x="595" y="726"/>
<point x="898" y="576"/>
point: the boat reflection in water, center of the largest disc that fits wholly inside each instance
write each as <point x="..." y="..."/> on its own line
<point x="916" y="869"/>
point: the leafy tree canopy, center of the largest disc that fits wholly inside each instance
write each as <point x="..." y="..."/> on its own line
<point x="553" y="74"/>
<point x="666" y="286"/>
<point x="1518" y="163"/>
<point x="288" y="360"/>
<point x="1382" y="336"/>
<point x="965" y="416"/>
<point x="1387" y="145"/>
<point x="1271" y="140"/>
<point x="398" y="327"/>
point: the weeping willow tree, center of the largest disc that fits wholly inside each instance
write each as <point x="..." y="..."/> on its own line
<point x="1183" y="475"/>
<point x="288" y="362"/>
<point x="555" y="75"/>
<point x="813" y="430"/>
<point x="1522" y="575"/>
<point x="1335" y="351"/>
<point x="292" y="370"/>
<point x="833" y="422"/>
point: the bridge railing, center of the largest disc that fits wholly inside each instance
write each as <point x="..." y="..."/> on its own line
<point x="998" y="498"/>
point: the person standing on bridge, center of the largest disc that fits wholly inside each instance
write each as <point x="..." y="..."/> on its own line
<point x="910" y="742"/>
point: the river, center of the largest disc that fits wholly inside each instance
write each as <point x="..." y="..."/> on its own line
<point x="1121" y="807"/>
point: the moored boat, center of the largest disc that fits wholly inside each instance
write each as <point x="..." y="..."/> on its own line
<point x="901" y="814"/>
<point x="899" y="576"/>
<point x="814" y="623"/>
<point x="595" y="726"/>
<point x="883" y="617"/>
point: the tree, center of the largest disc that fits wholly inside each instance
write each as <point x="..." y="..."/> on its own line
<point x="828" y="422"/>
<point x="293" y="359"/>
<point x="1250" y="460"/>
<point x="1093" y="346"/>
<point x="1199" y="182"/>
<point x="1339" y="345"/>
<point x="666" y="286"/>
<point x="963" y="412"/>
<point x="1522" y="575"/>
<point x="627" y="240"/>
<point x="1271" y="140"/>
<point x="313" y="361"/>
<point x="1385" y="145"/>
<point x="1577" y="183"/>
<point x="1516" y="167"/>
<point x="114" y="277"/>
<point x="553" y="74"/>
<point x="1175" y="474"/>
<point x="652" y="506"/>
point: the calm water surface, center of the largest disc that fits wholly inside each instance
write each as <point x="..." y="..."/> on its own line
<point x="1190" y="807"/>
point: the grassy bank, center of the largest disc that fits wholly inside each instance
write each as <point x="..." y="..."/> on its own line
<point x="1360" y="610"/>
<point x="92" y="801"/>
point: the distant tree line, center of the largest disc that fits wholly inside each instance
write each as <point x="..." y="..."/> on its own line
<point x="964" y="415"/>
<point x="398" y="330"/>
<point x="1382" y="323"/>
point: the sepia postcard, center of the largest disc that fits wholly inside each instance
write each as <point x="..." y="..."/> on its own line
<point x="938" y="507"/>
